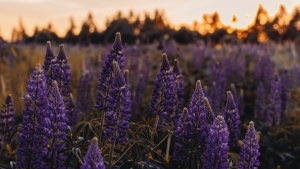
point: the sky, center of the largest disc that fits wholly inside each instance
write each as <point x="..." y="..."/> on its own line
<point x="58" y="12"/>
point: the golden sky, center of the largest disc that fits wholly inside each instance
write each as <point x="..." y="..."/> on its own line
<point x="58" y="12"/>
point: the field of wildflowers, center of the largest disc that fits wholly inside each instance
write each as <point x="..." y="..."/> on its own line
<point x="136" y="106"/>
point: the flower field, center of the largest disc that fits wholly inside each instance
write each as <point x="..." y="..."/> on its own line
<point x="234" y="105"/>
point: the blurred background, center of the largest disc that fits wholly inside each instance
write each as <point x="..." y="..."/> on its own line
<point x="95" y="22"/>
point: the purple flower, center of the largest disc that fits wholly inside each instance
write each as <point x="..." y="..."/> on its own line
<point x="216" y="147"/>
<point x="105" y="80"/>
<point x="232" y="118"/>
<point x="35" y="130"/>
<point x="260" y="97"/>
<point x="178" y="91"/>
<point x="162" y="95"/>
<point x="48" y="61"/>
<point x="273" y="112"/>
<point x="118" y="108"/>
<point x="250" y="150"/>
<point x="7" y="120"/>
<point x="73" y="112"/>
<point x="93" y="158"/>
<point x="197" y="111"/>
<point x="183" y="136"/>
<point x="58" y="125"/>
<point x="285" y="81"/>
<point x="83" y="93"/>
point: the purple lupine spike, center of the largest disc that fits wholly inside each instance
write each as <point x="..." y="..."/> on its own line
<point x="183" y="136"/>
<point x="199" y="56"/>
<point x="241" y="105"/>
<point x="48" y="60"/>
<point x="93" y="158"/>
<point x="232" y="118"/>
<point x="162" y="95"/>
<point x="35" y="130"/>
<point x="61" y="72"/>
<point x="285" y="81"/>
<point x="73" y="118"/>
<point x="207" y="119"/>
<point x="6" y="120"/>
<point x="83" y="93"/>
<point x="273" y="112"/>
<point x="250" y="150"/>
<point x="214" y="97"/>
<point x="138" y="95"/>
<point x="105" y="79"/>
<point x="118" y="108"/>
<point x="59" y="126"/>
<point x="216" y="147"/>
<point x="260" y="100"/>
<point x="178" y="91"/>
<point x="196" y="110"/>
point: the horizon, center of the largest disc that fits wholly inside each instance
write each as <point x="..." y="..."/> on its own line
<point x="32" y="12"/>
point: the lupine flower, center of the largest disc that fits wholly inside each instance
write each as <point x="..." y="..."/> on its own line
<point x="59" y="127"/>
<point x="196" y="110"/>
<point x="183" y="136"/>
<point x="47" y="61"/>
<point x="274" y="106"/>
<point x="250" y="150"/>
<point x="162" y="95"/>
<point x="7" y="120"/>
<point x="93" y="158"/>
<point x="62" y="75"/>
<point x="260" y="97"/>
<point x="232" y="118"/>
<point x="73" y="118"/>
<point x="178" y="91"/>
<point x="35" y="132"/>
<point x="207" y="119"/>
<point x="83" y="93"/>
<point x="241" y="105"/>
<point x="61" y="72"/>
<point x="105" y="80"/>
<point x="216" y="147"/>
<point x="214" y="97"/>
<point x="126" y="74"/>
<point x="285" y="81"/>
<point x="118" y="108"/>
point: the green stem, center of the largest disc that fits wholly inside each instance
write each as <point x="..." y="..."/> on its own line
<point x="168" y="147"/>
<point x="154" y="129"/>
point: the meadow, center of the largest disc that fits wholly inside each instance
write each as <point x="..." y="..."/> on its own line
<point x="231" y="105"/>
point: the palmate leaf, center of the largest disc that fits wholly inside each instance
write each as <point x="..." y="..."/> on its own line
<point x="88" y="127"/>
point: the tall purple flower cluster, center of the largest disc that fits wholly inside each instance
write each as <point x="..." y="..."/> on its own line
<point x="285" y="81"/>
<point x="208" y="117"/>
<point x="58" y="125"/>
<point x="83" y="92"/>
<point x="93" y="158"/>
<point x="232" y="118"/>
<point x="263" y="70"/>
<point x="105" y="80"/>
<point x="35" y="129"/>
<point x="273" y="112"/>
<point x="260" y="99"/>
<point x="178" y="91"/>
<point x="118" y="108"/>
<point x="73" y="115"/>
<point x="216" y="147"/>
<point x="250" y="150"/>
<point x="60" y="69"/>
<point x="183" y="136"/>
<point x="6" y="120"/>
<point x="162" y="95"/>
<point x="48" y="61"/>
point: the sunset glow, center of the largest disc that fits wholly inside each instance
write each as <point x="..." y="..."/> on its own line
<point x="41" y="12"/>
